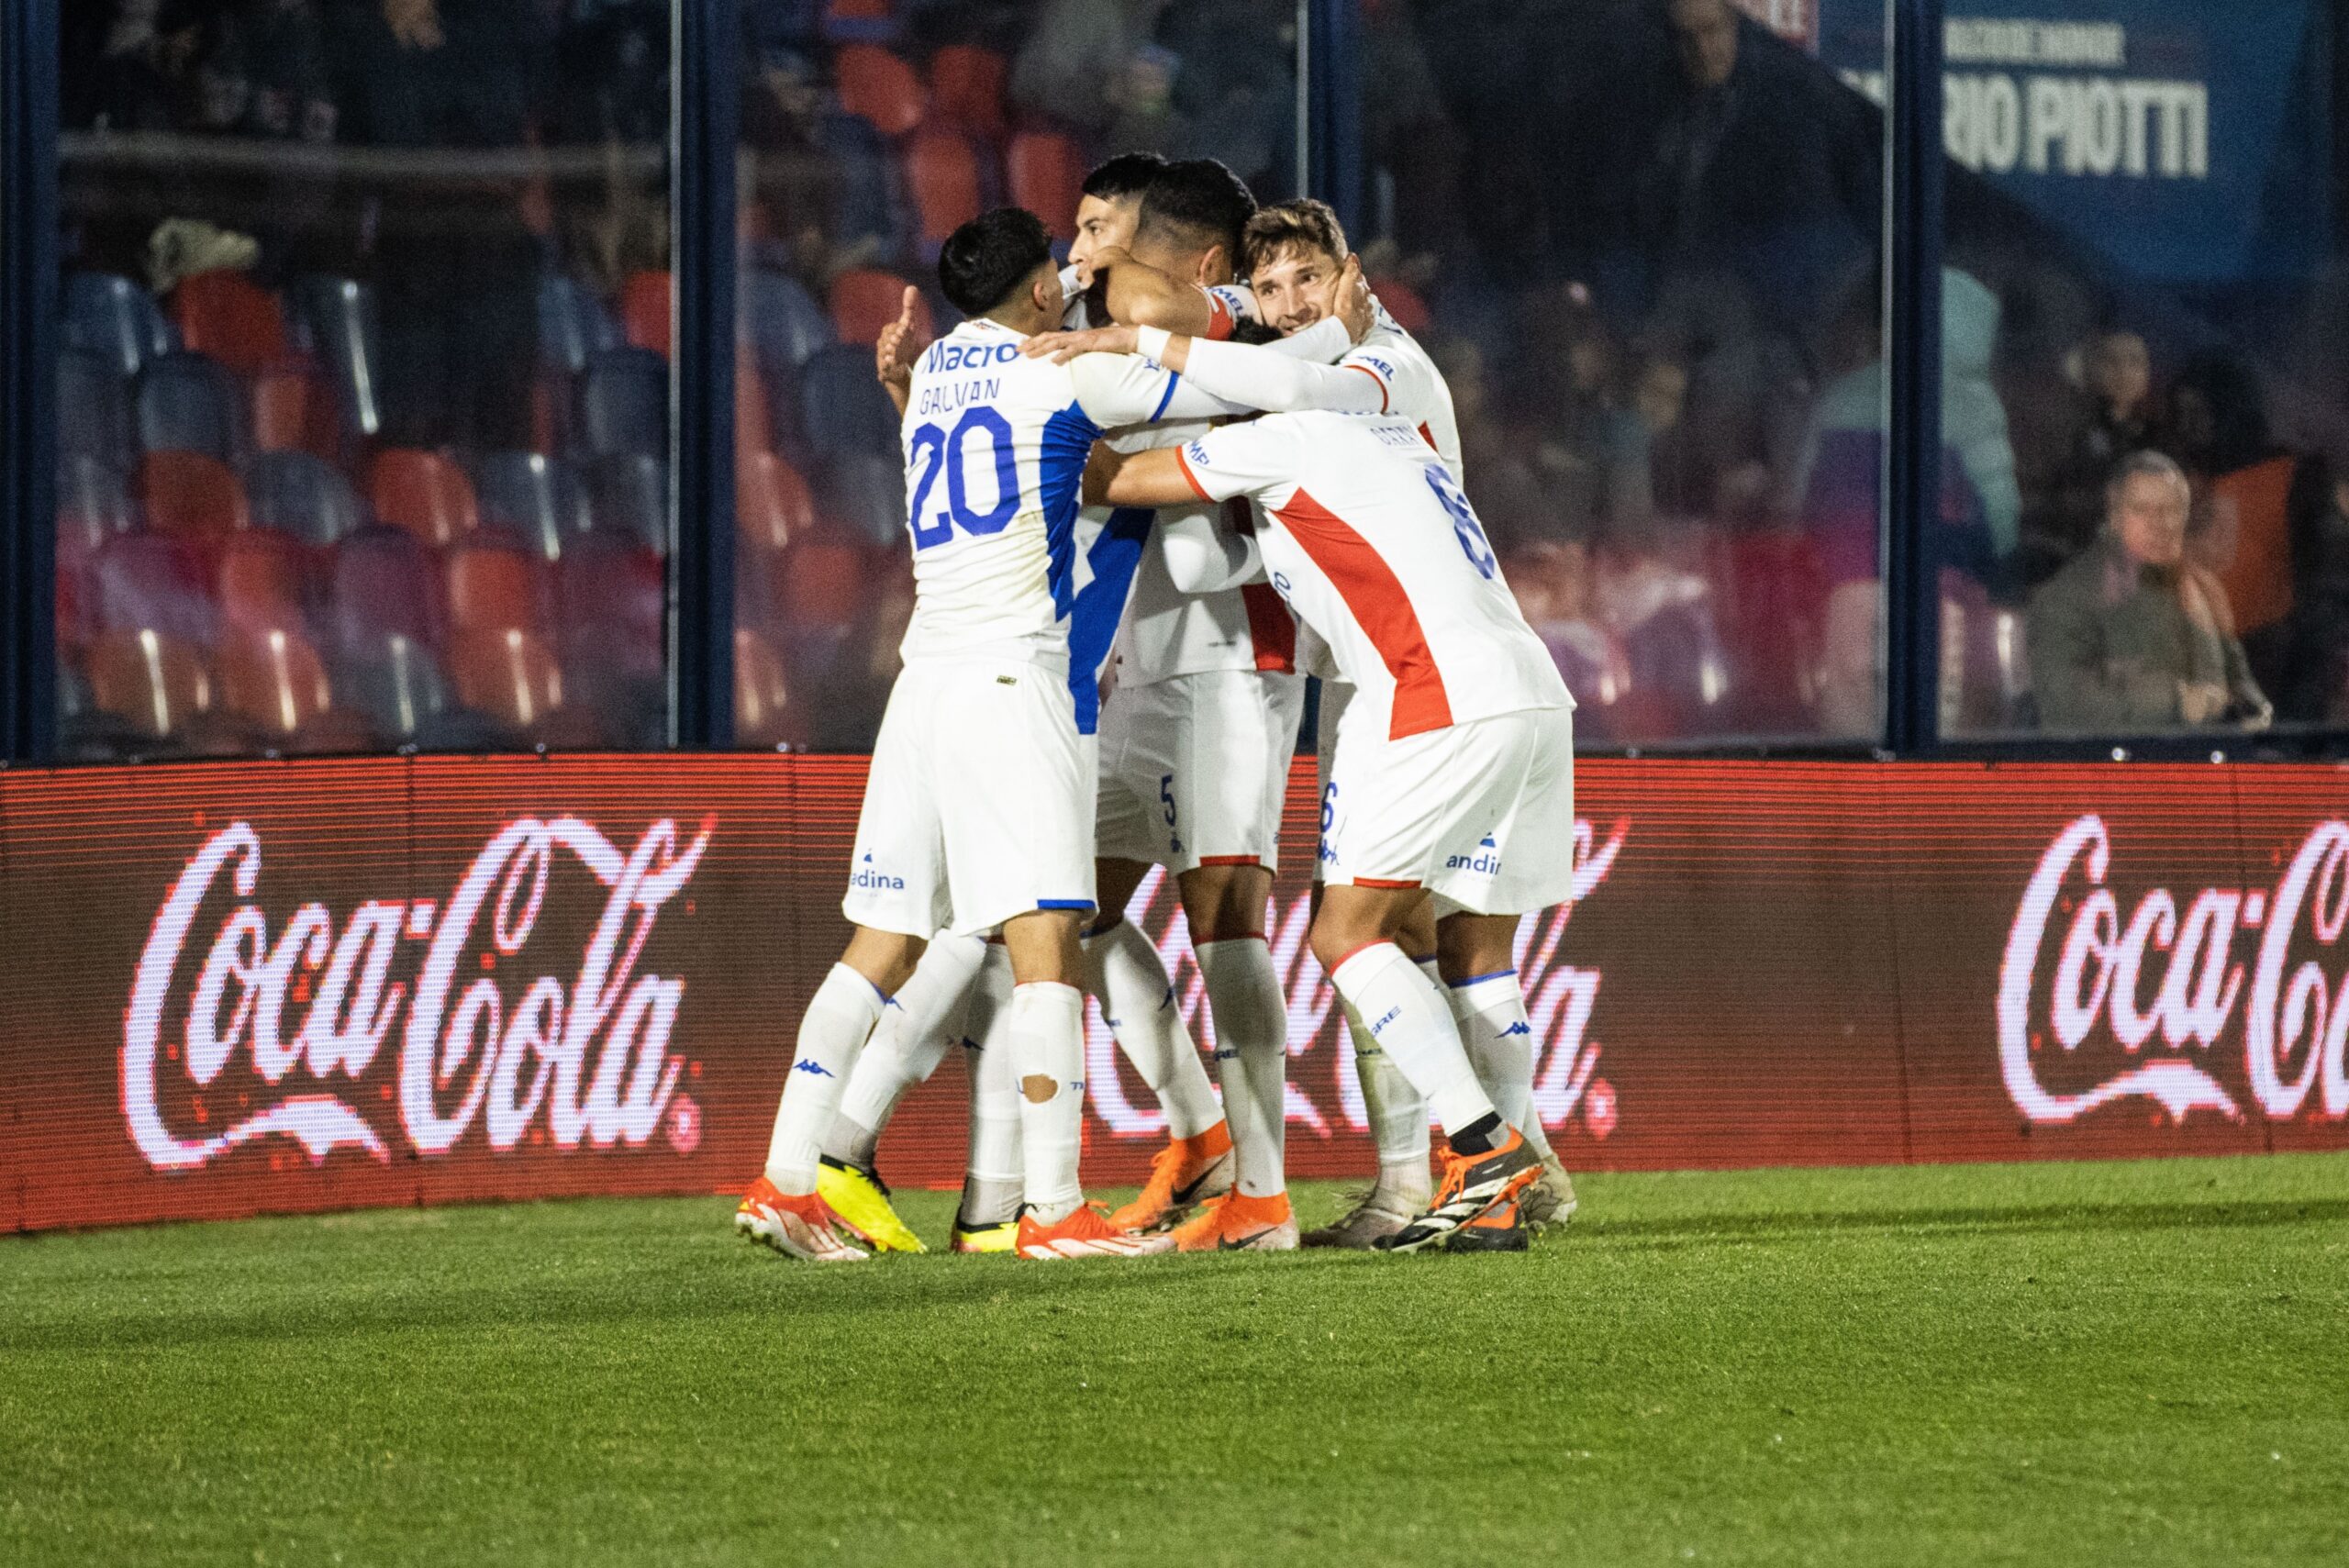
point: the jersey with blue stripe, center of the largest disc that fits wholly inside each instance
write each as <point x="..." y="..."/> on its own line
<point x="1007" y="562"/>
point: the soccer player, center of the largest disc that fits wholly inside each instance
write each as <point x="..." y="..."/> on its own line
<point x="1302" y="273"/>
<point x="1453" y="774"/>
<point x="978" y="810"/>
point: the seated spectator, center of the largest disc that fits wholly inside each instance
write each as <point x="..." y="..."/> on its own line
<point x="2112" y="407"/>
<point x="2132" y="636"/>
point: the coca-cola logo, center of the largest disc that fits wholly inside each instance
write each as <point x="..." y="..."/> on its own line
<point x="2154" y="1003"/>
<point x="582" y="1054"/>
<point x="1559" y="1001"/>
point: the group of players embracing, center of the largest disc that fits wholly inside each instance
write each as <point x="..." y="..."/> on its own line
<point x="1146" y="502"/>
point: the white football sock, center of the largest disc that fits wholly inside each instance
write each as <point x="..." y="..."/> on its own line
<point x="1123" y="972"/>
<point x="838" y="1018"/>
<point x="1047" y="1028"/>
<point x="1252" y="1051"/>
<point x="1398" y="1121"/>
<point x="992" y="1188"/>
<point x="919" y="1026"/>
<point x="1406" y="1013"/>
<point x="1491" y="1011"/>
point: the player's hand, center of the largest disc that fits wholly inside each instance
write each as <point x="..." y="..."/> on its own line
<point x="1357" y="306"/>
<point x="894" y="353"/>
<point x="1097" y="263"/>
<point x="1066" y="346"/>
<point x="2201" y="702"/>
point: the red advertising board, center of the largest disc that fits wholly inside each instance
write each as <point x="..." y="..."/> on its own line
<point x="234" y="988"/>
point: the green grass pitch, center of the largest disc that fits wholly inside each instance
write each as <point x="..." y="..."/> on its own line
<point x="2136" y="1364"/>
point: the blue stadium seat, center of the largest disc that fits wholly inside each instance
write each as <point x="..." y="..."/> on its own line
<point x="335" y="320"/>
<point x="623" y="405"/>
<point x="304" y="496"/>
<point x="630" y="500"/>
<point x="864" y="494"/>
<point x="869" y="201"/>
<point x="94" y="504"/>
<point x="843" y="408"/>
<point x="188" y="402"/>
<point x="93" y="408"/>
<point x="574" y="326"/>
<point x="115" y="318"/>
<point x="536" y="496"/>
<point x="783" y="321"/>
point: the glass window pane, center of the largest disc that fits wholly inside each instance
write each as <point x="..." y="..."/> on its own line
<point x="364" y="408"/>
<point x="2145" y="254"/>
<point x="866" y="139"/>
<point x="1643" y="241"/>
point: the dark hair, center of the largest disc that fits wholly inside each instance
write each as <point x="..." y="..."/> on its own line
<point x="1197" y="201"/>
<point x="1288" y="226"/>
<point x="1127" y="174"/>
<point x="1254" y="332"/>
<point x="986" y="261"/>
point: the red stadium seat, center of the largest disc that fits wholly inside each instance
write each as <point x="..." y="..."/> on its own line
<point x="1047" y="174"/>
<point x="294" y="411"/>
<point x="763" y="711"/>
<point x="229" y="317"/>
<point x="152" y="681"/>
<point x="274" y="680"/>
<point x="876" y="86"/>
<point x="425" y="493"/>
<point x="772" y="503"/>
<point x="967" y="89"/>
<point x="510" y="676"/>
<point x="192" y="494"/>
<point x="494" y="588"/>
<point x="261" y="577"/>
<point x="865" y="302"/>
<point x="1404" y="304"/>
<point x="615" y="611"/>
<point x="645" y="311"/>
<point x="943" y="172"/>
<point x="753" y="422"/>
<point x="823" y="586"/>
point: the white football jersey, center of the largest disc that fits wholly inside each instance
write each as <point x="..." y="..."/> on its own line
<point x="995" y="446"/>
<point x="1367" y="536"/>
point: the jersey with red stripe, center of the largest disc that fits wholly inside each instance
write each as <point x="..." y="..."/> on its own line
<point x="1367" y="536"/>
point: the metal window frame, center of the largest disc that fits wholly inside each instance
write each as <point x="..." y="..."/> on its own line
<point x="28" y="297"/>
<point x="706" y="118"/>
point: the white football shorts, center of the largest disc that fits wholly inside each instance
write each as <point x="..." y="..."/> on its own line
<point x="1481" y="814"/>
<point x="1195" y="769"/>
<point x="979" y="805"/>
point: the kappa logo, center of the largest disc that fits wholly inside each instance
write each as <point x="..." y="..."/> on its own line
<point x="1520" y="1026"/>
<point x="866" y="875"/>
<point x="1485" y="861"/>
<point x="814" y="1068"/>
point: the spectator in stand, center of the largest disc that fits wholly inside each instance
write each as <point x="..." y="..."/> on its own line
<point x="1652" y="470"/>
<point x="1236" y="89"/>
<point x="1076" y="57"/>
<point x="456" y="274"/>
<point x="1840" y="482"/>
<point x="1557" y="586"/>
<point x="2133" y="636"/>
<point x="2259" y="509"/>
<point x="2116" y="373"/>
<point x="1762" y="166"/>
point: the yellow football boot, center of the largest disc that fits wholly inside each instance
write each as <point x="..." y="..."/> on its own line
<point x="861" y="1199"/>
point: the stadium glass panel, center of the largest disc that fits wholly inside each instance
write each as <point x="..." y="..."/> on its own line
<point x="365" y="409"/>
<point x="1644" y="241"/>
<point x="2144" y="255"/>
<point x="868" y="134"/>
